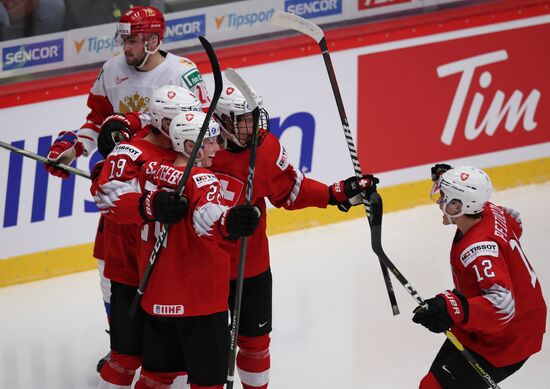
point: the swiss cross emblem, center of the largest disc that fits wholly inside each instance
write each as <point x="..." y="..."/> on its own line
<point x="230" y="90"/>
<point x="464" y="176"/>
<point x="171" y="94"/>
<point x="189" y="117"/>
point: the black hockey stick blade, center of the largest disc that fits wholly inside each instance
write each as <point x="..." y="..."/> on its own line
<point x="218" y="87"/>
<point x="44" y="160"/>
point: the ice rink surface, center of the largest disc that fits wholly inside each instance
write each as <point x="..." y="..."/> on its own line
<point x="333" y="326"/>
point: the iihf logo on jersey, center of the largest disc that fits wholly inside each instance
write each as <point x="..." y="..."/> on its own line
<point x="168" y="310"/>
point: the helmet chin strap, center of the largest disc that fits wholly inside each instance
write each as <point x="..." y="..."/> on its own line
<point x="148" y="53"/>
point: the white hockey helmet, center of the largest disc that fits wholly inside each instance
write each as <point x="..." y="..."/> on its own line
<point x="187" y="126"/>
<point x="168" y="101"/>
<point x="232" y="104"/>
<point x="467" y="184"/>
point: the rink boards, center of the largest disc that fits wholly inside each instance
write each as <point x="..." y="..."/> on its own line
<point x="464" y="90"/>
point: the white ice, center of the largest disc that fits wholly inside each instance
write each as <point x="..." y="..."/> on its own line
<point x="333" y="326"/>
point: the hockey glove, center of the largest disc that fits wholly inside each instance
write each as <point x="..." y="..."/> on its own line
<point x="345" y="194"/>
<point x="241" y="220"/>
<point x="65" y="149"/>
<point x="443" y="311"/>
<point x="96" y="171"/>
<point x="116" y="128"/>
<point x="438" y="169"/>
<point x="162" y="206"/>
<point x="515" y="215"/>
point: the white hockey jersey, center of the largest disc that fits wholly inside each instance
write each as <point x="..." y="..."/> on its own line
<point x="122" y="88"/>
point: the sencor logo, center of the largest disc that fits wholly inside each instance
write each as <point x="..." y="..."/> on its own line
<point x="33" y="54"/>
<point x="313" y="8"/>
<point x="185" y="28"/>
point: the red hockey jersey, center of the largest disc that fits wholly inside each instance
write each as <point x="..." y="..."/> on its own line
<point x="274" y="179"/>
<point x="507" y="312"/>
<point x="117" y="192"/>
<point x="191" y="275"/>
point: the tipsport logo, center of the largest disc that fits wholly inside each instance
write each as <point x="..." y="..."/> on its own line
<point x="237" y="21"/>
<point x="32" y="54"/>
<point x="309" y="9"/>
<point x="185" y="28"/>
<point x="95" y="44"/>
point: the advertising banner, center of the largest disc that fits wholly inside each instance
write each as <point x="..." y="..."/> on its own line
<point x="453" y="98"/>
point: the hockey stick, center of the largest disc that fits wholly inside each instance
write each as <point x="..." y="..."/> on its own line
<point x="218" y="86"/>
<point x="294" y="22"/>
<point x="243" y="87"/>
<point x="376" y="209"/>
<point x="44" y="160"/>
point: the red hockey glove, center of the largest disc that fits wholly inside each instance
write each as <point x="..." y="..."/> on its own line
<point x="443" y="311"/>
<point x="65" y="149"/>
<point x="347" y="193"/>
<point x="116" y="128"/>
<point x="162" y="206"/>
<point x="96" y="171"/>
<point x="438" y="169"/>
<point x="241" y="220"/>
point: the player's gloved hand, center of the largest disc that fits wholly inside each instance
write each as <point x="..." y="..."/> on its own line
<point x="96" y="171"/>
<point x="241" y="220"/>
<point x="515" y="215"/>
<point x="347" y="193"/>
<point x="116" y="128"/>
<point x="438" y="169"/>
<point x="65" y="149"/>
<point x="162" y="206"/>
<point x="442" y="311"/>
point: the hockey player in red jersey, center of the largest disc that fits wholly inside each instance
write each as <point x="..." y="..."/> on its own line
<point x="186" y="297"/>
<point x="116" y="193"/>
<point x="125" y="84"/>
<point x="275" y="179"/>
<point x="496" y="309"/>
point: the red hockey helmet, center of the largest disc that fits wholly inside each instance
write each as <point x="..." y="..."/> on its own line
<point x="142" y="20"/>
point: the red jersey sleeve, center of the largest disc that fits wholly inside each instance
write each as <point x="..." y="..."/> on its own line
<point x="286" y="186"/>
<point x="116" y="191"/>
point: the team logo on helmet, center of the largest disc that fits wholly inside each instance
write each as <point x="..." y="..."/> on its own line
<point x="189" y="117"/>
<point x="171" y="94"/>
<point x="464" y="176"/>
<point x="230" y="90"/>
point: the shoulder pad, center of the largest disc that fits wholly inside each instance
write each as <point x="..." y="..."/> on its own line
<point x="478" y="249"/>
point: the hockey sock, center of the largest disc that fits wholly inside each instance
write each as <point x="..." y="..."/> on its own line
<point x="120" y="369"/>
<point x="253" y="361"/>
<point x="429" y="382"/>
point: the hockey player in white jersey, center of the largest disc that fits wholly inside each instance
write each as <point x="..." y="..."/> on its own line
<point x="127" y="80"/>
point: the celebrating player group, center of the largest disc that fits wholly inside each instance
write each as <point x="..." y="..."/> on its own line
<point x="182" y="185"/>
